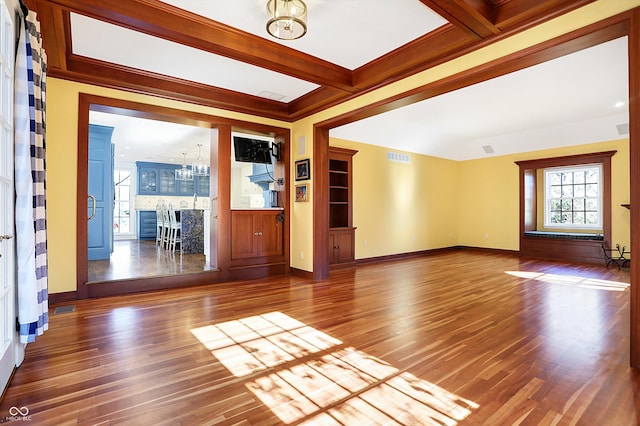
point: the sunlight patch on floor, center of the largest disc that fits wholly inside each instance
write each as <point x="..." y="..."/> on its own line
<point x="256" y="343"/>
<point x="571" y="280"/>
<point x="304" y="376"/>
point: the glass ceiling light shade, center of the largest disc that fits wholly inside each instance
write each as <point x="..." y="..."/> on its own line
<point x="288" y="19"/>
<point x="200" y="169"/>
<point x="184" y="173"/>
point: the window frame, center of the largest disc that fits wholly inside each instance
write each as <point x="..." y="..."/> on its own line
<point x="547" y="213"/>
<point x="528" y="186"/>
<point x="133" y="223"/>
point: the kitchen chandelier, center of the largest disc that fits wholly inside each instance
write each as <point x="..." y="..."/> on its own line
<point x="199" y="168"/>
<point x="184" y="173"/>
<point x="288" y="19"/>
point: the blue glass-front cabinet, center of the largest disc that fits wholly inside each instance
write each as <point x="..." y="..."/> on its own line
<point x="159" y="179"/>
<point x="147" y="180"/>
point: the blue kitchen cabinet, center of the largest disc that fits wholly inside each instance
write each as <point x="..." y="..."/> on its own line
<point x="159" y="179"/>
<point x="156" y="179"/>
<point x="147" y="179"/>
<point x="147" y="225"/>
<point x="185" y="187"/>
<point x="199" y="185"/>
<point x="202" y="185"/>
<point x="167" y="179"/>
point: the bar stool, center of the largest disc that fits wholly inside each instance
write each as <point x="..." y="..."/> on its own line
<point x="159" y="224"/>
<point x="175" y="226"/>
<point x="166" y="229"/>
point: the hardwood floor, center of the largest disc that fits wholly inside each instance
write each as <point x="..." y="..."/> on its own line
<point x="463" y="337"/>
<point x="143" y="258"/>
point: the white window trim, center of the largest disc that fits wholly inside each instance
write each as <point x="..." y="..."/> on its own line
<point x="547" y="184"/>
<point x="132" y="234"/>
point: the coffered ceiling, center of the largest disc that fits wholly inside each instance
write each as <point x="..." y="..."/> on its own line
<point x="219" y="54"/>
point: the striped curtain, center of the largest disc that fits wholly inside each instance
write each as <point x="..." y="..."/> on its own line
<point x="30" y="177"/>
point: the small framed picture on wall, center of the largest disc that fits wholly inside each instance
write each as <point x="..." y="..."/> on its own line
<point x="301" y="192"/>
<point x="302" y="169"/>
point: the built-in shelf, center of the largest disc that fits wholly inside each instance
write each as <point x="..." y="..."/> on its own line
<point x="341" y="230"/>
<point x="339" y="191"/>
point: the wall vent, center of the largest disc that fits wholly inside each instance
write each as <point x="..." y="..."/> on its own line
<point x="64" y="309"/>
<point x="488" y="149"/>
<point x="623" y="129"/>
<point x="271" y="95"/>
<point x="398" y="158"/>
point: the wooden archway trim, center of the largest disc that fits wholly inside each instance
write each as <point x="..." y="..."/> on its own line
<point x="89" y="102"/>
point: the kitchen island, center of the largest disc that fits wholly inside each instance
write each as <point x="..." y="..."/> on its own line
<point x="192" y="230"/>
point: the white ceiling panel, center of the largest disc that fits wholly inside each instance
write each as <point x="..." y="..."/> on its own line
<point x="349" y="33"/>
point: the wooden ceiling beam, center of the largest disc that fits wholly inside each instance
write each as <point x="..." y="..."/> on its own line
<point x="316" y="101"/>
<point x="421" y="54"/>
<point x="91" y="71"/>
<point x="474" y="16"/>
<point x="513" y="13"/>
<point x="168" y="22"/>
<point x="54" y="38"/>
<point x="416" y="56"/>
<point x="487" y="18"/>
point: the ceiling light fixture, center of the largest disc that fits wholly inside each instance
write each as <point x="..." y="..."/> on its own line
<point x="199" y="168"/>
<point x="184" y="173"/>
<point x="288" y="19"/>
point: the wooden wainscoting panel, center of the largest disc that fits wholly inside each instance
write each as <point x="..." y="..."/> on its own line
<point x="569" y="250"/>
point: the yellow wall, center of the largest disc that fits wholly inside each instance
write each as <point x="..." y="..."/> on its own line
<point x="398" y="207"/>
<point x="488" y="200"/>
<point x="620" y="194"/>
<point x="301" y="220"/>
<point x="488" y="197"/>
<point x="444" y="203"/>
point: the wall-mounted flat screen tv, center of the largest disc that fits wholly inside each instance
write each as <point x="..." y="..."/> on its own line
<point x="249" y="150"/>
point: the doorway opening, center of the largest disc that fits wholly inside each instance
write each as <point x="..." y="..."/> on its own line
<point x="139" y="193"/>
<point x="170" y="269"/>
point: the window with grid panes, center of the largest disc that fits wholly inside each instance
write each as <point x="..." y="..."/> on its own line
<point x="573" y="197"/>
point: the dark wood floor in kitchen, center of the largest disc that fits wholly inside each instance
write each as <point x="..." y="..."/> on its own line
<point x="144" y="258"/>
<point x="463" y="337"/>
